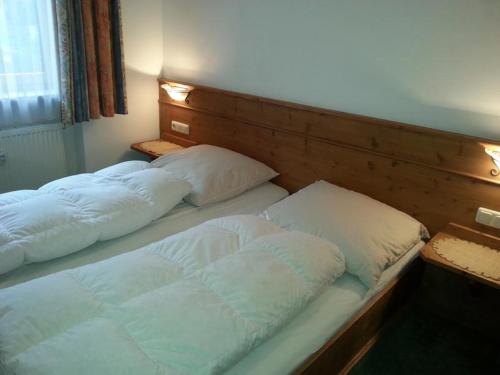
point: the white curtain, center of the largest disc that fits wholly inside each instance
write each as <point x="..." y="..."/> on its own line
<point x="29" y="88"/>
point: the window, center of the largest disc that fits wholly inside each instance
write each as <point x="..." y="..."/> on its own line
<point x="29" y="88"/>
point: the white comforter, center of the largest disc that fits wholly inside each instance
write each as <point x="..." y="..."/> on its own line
<point x="72" y="213"/>
<point x="193" y="303"/>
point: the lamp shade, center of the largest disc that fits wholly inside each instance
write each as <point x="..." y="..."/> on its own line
<point x="177" y="91"/>
<point x="495" y="155"/>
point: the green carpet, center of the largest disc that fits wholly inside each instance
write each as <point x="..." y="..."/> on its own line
<point x="421" y="343"/>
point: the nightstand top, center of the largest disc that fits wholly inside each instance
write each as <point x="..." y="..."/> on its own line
<point x="467" y="252"/>
<point x="156" y="147"/>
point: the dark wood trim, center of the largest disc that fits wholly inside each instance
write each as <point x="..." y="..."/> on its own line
<point x="434" y="139"/>
<point x="435" y="176"/>
<point x="317" y="110"/>
<point x="359" y="334"/>
<point x="484" y="178"/>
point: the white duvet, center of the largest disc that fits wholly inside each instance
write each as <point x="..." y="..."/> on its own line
<point x="72" y="213"/>
<point x="194" y="303"/>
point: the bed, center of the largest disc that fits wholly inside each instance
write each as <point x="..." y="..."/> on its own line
<point x="218" y="295"/>
<point x="190" y="303"/>
<point x="182" y="217"/>
<point x="70" y="215"/>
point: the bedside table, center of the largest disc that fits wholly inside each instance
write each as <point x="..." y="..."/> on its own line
<point x="467" y="252"/>
<point x="460" y="280"/>
<point x="155" y="148"/>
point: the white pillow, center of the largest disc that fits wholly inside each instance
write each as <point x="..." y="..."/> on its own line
<point x="215" y="173"/>
<point x="371" y="234"/>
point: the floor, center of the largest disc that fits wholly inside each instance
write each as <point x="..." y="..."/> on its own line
<point x="418" y="342"/>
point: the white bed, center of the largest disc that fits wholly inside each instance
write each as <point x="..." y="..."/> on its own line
<point x="183" y="216"/>
<point x="294" y="343"/>
<point x="312" y="328"/>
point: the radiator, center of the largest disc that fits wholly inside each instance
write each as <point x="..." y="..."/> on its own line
<point x="31" y="157"/>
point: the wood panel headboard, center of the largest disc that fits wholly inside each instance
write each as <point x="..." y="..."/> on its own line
<point x="432" y="175"/>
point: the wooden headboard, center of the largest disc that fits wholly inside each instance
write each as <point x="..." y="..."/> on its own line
<point x="432" y="175"/>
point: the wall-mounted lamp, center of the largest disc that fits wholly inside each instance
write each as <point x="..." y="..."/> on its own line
<point x="495" y="156"/>
<point x="177" y="91"/>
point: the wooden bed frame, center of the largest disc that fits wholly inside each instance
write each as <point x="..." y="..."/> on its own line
<point x="435" y="176"/>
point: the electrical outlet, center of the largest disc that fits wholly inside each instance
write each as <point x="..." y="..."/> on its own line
<point x="179" y="127"/>
<point x="3" y="157"/>
<point x="488" y="217"/>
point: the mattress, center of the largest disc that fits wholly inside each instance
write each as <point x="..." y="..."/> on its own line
<point x="182" y="217"/>
<point x="314" y="326"/>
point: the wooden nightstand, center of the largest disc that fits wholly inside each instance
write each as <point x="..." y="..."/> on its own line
<point x="156" y="148"/>
<point x="458" y="288"/>
<point x="439" y="252"/>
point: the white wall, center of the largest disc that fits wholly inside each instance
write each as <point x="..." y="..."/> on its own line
<point x="433" y="63"/>
<point x="106" y="141"/>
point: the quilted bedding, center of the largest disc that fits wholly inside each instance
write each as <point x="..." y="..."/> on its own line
<point x="72" y="213"/>
<point x="193" y="303"/>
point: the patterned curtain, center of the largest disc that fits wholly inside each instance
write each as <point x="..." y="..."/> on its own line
<point x="91" y="59"/>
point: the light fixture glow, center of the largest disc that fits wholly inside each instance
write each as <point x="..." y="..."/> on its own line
<point x="495" y="156"/>
<point x="177" y="91"/>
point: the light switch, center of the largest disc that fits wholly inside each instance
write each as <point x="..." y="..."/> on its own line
<point x="179" y="127"/>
